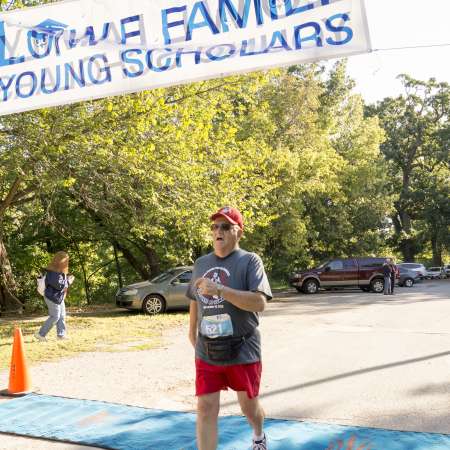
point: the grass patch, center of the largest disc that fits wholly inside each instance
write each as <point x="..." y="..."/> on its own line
<point x="89" y="331"/>
<point x="277" y="284"/>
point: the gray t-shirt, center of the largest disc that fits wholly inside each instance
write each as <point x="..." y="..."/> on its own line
<point x="239" y="270"/>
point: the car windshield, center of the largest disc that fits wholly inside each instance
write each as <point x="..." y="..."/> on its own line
<point x="164" y="276"/>
<point x="323" y="264"/>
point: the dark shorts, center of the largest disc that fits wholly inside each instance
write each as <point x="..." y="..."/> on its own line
<point x="239" y="377"/>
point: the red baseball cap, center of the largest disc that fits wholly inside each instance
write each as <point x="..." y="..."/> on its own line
<point x="232" y="215"/>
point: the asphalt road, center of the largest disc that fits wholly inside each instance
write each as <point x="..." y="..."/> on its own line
<point x="343" y="357"/>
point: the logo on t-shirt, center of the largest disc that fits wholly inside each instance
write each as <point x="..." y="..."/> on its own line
<point x="218" y="275"/>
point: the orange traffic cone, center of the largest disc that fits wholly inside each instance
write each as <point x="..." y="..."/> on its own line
<point x="19" y="378"/>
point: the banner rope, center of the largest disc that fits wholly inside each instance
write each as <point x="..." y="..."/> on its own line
<point x="410" y="47"/>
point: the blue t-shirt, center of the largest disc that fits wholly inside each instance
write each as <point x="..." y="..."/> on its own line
<point x="239" y="270"/>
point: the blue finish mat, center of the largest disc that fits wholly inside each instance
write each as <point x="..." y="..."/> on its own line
<point x="122" y="427"/>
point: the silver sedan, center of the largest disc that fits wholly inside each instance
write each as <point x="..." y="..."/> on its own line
<point x="164" y="292"/>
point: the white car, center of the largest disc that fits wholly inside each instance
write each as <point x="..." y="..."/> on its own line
<point x="447" y="270"/>
<point x="435" y="272"/>
<point x="164" y="292"/>
<point x="419" y="268"/>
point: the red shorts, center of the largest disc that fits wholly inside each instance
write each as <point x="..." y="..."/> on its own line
<point x="239" y="377"/>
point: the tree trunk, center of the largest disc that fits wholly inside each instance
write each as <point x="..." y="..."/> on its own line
<point x="152" y="259"/>
<point x="134" y="262"/>
<point x="197" y="251"/>
<point x="409" y="250"/>
<point x="402" y="225"/>
<point x="437" y="250"/>
<point x="87" y="290"/>
<point x="402" y="221"/>
<point x="118" y="268"/>
<point x="8" y="299"/>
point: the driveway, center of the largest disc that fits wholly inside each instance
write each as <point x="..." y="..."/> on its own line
<point x="343" y="357"/>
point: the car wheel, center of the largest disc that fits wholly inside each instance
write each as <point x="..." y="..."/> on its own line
<point x="365" y="288"/>
<point x="153" y="304"/>
<point x="377" y="285"/>
<point x="310" y="286"/>
<point x="408" y="282"/>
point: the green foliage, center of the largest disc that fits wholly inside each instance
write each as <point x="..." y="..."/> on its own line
<point x="417" y="151"/>
<point x="330" y="184"/>
<point x="142" y="173"/>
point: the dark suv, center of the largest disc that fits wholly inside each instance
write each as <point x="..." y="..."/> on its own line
<point x="365" y="273"/>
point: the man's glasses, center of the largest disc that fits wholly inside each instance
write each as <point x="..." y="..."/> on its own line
<point x="221" y="226"/>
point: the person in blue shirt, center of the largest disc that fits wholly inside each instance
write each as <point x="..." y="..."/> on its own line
<point x="57" y="281"/>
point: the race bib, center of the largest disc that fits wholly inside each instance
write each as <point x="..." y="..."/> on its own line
<point x="216" y="326"/>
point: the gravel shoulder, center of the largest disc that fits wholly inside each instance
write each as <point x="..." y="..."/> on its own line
<point x="344" y="357"/>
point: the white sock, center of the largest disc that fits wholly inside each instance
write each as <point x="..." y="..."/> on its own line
<point x="258" y="438"/>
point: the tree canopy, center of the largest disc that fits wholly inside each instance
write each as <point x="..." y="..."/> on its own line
<point x="126" y="184"/>
<point x="417" y="150"/>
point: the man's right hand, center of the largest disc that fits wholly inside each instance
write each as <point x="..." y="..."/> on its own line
<point x="193" y="339"/>
<point x="193" y="323"/>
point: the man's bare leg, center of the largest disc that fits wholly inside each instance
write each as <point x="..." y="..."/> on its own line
<point x="207" y="415"/>
<point x="252" y="409"/>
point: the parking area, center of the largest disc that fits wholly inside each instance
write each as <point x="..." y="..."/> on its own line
<point x="343" y="357"/>
<point x="361" y="358"/>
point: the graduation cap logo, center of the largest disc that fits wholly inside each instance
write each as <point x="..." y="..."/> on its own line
<point x="42" y="34"/>
<point x="51" y="27"/>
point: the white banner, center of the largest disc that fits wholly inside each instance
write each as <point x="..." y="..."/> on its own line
<point x="84" y="49"/>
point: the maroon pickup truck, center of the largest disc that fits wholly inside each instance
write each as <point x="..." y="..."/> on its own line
<point x="365" y="273"/>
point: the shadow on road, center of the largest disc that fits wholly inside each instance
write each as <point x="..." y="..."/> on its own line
<point x="351" y="374"/>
